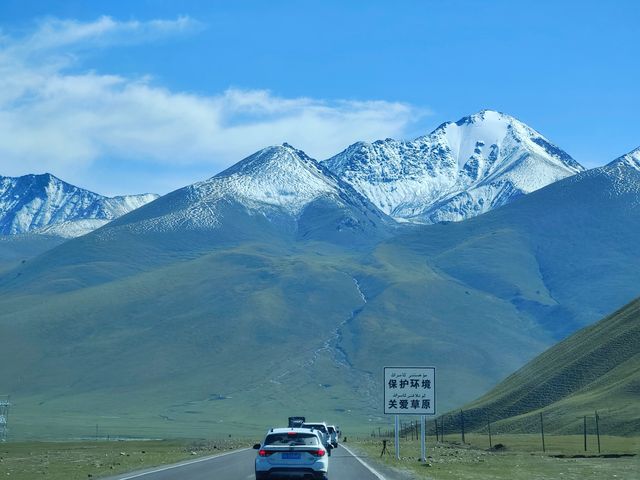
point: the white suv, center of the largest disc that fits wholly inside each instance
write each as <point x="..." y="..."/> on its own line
<point x="323" y="431"/>
<point x="333" y="435"/>
<point x="292" y="451"/>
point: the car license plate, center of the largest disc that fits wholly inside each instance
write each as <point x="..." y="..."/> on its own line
<point x="290" y="456"/>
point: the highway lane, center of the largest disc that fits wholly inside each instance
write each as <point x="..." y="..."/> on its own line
<point x="238" y="465"/>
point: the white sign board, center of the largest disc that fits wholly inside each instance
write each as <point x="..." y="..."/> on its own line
<point x="410" y="390"/>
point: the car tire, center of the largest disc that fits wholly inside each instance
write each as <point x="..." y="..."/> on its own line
<point x="262" y="476"/>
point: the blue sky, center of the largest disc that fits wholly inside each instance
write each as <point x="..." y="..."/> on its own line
<point x="131" y="96"/>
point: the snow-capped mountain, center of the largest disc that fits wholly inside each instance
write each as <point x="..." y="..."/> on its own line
<point x="458" y="171"/>
<point x="628" y="160"/>
<point x="46" y="204"/>
<point x="279" y="184"/>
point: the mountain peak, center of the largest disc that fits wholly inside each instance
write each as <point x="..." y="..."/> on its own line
<point x="36" y="202"/>
<point x="278" y="176"/>
<point x="459" y="170"/>
<point x="631" y="159"/>
<point x="485" y="114"/>
<point x="272" y="159"/>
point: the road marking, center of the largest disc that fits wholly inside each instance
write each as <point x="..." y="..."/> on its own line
<point x="371" y="469"/>
<point x="184" y="464"/>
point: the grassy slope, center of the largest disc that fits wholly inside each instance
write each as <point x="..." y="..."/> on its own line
<point x="230" y="341"/>
<point x="564" y="255"/>
<point x="15" y="249"/>
<point x="596" y="368"/>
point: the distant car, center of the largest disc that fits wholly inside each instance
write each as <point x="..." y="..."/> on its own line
<point x="292" y="452"/>
<point x="333" y="435"/>
<point x="322" y="428"/>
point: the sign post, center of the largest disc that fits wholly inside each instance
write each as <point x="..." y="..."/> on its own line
<point x="397" y="440"/>
<point x="423" y="441"/>
<point x="410" y="391"/>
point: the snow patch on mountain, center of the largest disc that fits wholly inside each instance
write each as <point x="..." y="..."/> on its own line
<point x="278" y="176"/>
<point x="46" y="204"/>
<point x="278" y="183"/>
<point x="631" y="160"/>
<point x="71" y="228"/>
<point x="460" y="170"/>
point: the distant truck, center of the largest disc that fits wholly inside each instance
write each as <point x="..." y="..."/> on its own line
<point x="296" y="422"/>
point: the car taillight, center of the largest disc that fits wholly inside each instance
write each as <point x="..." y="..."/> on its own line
<point x="264" y="453"/>
<point x="318" y="453"/>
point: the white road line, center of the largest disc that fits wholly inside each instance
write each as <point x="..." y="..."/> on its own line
<point x="371" y="469"/>
<point x="184" y="464"/>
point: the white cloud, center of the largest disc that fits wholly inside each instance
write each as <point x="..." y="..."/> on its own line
<point x="52" y="120"/>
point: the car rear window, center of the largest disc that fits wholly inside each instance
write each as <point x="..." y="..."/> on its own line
<point x="317" y="426"/>
<point x="291" y="438"/>
<point x="331" y="430"/>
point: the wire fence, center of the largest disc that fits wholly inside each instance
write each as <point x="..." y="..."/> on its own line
<point x="595" y="433"/>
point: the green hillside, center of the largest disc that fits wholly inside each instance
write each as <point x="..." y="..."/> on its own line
<point x="15" y="249"/>
<point x="597" y="368"/>
<point x="233" y="340"/>
<point x="156" y="325"/>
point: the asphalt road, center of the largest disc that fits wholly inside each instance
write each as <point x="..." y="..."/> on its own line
<point x="238" y="465"/>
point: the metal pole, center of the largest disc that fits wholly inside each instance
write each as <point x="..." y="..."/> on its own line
<point x="462" y="424"/>
<point x="398" y="437"/>
<point x="423" y="442"/>
<point x="437" y="435"/>
<point x="598" y="429"/>
<point x="585" y="432"/>
<point x="489" y="425"/>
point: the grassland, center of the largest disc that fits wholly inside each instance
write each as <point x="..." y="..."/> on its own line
<point x="597" y="368"/>
<point x="82" y="460"/>
<point x="520" y="457"/>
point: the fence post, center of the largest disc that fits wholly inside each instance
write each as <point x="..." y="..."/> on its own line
<point x="598" y="430"/>
<point x="542" y="432"/>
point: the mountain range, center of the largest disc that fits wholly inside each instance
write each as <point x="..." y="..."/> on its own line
<point x="281" y="285"/>
<point x="458" y="171"/>
<point x="45" y="204"/>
